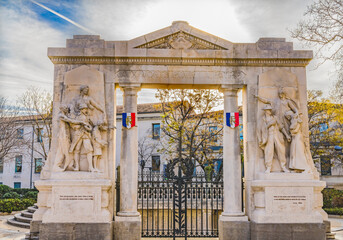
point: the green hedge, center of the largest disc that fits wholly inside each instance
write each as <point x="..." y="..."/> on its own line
<point x="9" y="205"/>
<point x="7" y="192"/>
<point x="334" y="211"/>
<point x="332" y="198"/>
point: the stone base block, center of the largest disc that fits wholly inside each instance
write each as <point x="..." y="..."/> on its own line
<point x="34" y="229"/>
<point x="76" y="231"/>
<point x="288" y="231"/>
<point x="129" y="229"/>
<point x="234" y="230"/>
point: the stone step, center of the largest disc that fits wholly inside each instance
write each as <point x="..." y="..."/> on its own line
<point x="30" y="237"/>
<point x="27" y="214"/>
<point x="330" y="236"/>
<point x="18" y="217"/>
<point x="13" y="222"/>
<point x="31" y="209"/>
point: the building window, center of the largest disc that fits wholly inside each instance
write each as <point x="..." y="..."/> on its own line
<point x="38" y="165"/>
<point x="39" y="134"/>
<point x="325" y="165"/>
<point x="1" y="183"/>
<point x="20" y="133"/>
<point x="217" y="165"/>
<point x="213" y="130"/>
<point x="156" y="131"/>
<point x="17" y="184"/>
<point x="1" y="165"/>
<point x="18" y="163"/>
<point x="155" y="163"/>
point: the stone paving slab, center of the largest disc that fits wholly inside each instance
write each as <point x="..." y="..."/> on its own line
<point x="8" y="232"/>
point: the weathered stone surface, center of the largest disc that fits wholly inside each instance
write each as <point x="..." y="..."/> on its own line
<point x="127" y="230"/>
<point x="291" y="231"/>
<point x="180" y="56"/>
<point x="76" y="231"/>
<point x="34" y="229"/>
<point x="234" y="230"/>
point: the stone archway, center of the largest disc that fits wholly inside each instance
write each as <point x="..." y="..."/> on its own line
<point x="181" y="56"/>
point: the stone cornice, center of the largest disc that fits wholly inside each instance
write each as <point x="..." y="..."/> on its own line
<point x="273" y="62"/>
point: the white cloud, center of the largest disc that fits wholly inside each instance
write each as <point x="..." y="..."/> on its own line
<point x="25" y="37"/>
<point x="127" y="19"/>
<point x="24" y="42"/>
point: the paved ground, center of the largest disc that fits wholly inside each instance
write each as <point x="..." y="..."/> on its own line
<point x="337" y="227"/>
<point x="8" y="232"/>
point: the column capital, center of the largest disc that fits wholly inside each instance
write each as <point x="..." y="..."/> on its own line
<point x="230" y="87"/>
<point x="130" y="86"/>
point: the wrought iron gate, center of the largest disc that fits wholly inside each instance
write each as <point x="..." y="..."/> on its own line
<point x="180" y="204"/>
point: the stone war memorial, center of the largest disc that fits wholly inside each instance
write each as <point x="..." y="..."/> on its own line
<point x="282" y="192"/>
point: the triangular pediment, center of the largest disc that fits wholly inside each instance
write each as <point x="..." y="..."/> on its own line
<point x="181" y="40"/>
<point x="180" y="36"/>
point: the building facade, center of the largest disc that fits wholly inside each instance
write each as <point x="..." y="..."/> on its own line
<point x="22" y="167"/>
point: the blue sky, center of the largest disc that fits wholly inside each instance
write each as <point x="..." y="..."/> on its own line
<point x="27" y="30"/>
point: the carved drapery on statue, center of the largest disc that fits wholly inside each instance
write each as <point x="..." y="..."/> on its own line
<point x="280" y="135"/>
<point x="82" y="120"/>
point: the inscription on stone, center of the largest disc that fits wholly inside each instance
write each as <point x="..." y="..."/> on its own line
<point x="76" y="197"/>
<point x="295" y="200"/>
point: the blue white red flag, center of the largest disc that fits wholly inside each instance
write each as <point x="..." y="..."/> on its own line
<point x="129" y="120"/>
<point x="232" y="119"/>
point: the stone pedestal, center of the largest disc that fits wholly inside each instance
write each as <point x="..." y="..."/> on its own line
<point x="74" y="209"/>
<point x="287" y="201"/>
<point x="127" y="228"/>
<point x="234" y="228"/>
<point x="288" y="231"/>
<point x="287" y="206"/>
<point x="76" y="231"/>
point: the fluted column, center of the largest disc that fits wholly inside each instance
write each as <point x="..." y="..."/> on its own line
<point x="129" y="156"/>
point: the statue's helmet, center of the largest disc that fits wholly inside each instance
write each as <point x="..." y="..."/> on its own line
<point x="282" y="91"/>
<point x="83" y="88"/>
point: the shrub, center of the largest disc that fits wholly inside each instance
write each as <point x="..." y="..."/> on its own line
<point x="10" y="195"/>
<point x="329" y="194"/>
<point x="334" y="211"/>
<point x="337" y="201"/>
<point x="31" y="194"/>
<point x="4" y="189"/>
<point x="23" y="191"/>
<point x="8" y="192"/>
<point x="9" y="205"/>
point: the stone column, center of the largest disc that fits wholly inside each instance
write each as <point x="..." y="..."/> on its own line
<point x="233" y="222"/>
<point x="128" y="222"/>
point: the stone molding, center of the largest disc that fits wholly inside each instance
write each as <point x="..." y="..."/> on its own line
<point x="181" y="40"/>
<point x="252" y="62"/>
<point x="135" y="75"/>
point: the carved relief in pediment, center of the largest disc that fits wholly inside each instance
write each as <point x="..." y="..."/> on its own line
<point x="181" y="40"/>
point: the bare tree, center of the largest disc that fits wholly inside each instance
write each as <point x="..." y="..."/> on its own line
<point x="147" y="147"/>
<point x="11" y="126"/>
<point x="190" y="125"/>
<point x="38" y="104"/>
<point x="322" y="27"/>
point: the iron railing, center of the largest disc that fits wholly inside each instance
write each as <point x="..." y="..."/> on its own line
<point x="179" y="209"/>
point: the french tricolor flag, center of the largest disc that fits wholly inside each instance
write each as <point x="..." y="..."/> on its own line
<point x="129" y="120"/>
<point x="232" y="119"/>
